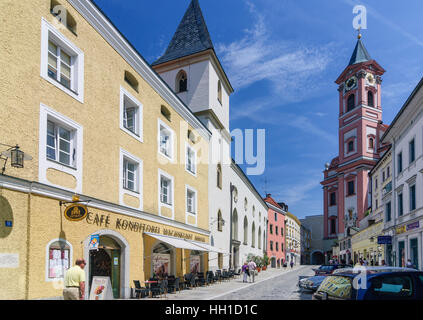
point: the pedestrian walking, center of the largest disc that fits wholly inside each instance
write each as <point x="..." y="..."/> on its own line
<point x="409" y="264"/>
<point x="252" y="269"/>
<point x="75" y="281"/>
<point x="245" y="272"/>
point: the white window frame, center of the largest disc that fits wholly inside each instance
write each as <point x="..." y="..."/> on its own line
<point x="138" y="193"/>
<point x="50" y="33"/>
<point x="47" y="279"/>
<point x="48" y="114"/>
<point x="188" y="214"/>
<point x="138" y="134"/>
<point x="160" y="124"/>
<point x="191" y="149"/>
<point x="171" y="206"/>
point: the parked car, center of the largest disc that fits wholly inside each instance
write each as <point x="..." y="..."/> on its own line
<point x="372" y="283"/>
<point x="311" y="283"/>
<point x="329" y="268"/>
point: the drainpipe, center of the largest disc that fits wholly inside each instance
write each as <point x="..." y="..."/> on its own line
<point x="230" y="227"/>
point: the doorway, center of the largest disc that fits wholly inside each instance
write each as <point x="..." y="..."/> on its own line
<point x="105" y="262"/>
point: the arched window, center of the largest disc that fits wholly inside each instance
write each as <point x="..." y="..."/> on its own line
<point x="259" y="238"/>
<point x="61" y="13"/>
<point x="181" y="82"/>
<point x="162" y="260"/>
<point x="195" y="262"/>
<point x="245" y="231"/>
<point x="219" y="91"/>
<point x="235" y="225"/>
<point x="131" y="80"/>
<point x="253" y="236"/>
<point x="219" y="221"/>
<point x="219" y="176"/>
<point x="165" y="112"/>
<point x="350" y="146"/>
<point x="370" y="99"/>
<point x="351" y="102"/>
<point x="371" y="143"/>
<point x="59" y="258"/>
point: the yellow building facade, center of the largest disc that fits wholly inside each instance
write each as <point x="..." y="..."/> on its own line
<point x="364" y="245"/>
<point x="99" y="123"/>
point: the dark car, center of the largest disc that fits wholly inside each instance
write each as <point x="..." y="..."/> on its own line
<point x="311" y="283"/>
<point x="329" y="269"/>
<point x="372" y="283"/>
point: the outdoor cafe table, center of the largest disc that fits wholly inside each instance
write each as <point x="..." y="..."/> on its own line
<point x="148" y="282"/>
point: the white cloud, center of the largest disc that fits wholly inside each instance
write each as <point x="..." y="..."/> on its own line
<point x="288" y="66"/>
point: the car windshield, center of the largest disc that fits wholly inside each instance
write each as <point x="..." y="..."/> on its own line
<point x="336" y="286"/>
<point x="326" y="268"/>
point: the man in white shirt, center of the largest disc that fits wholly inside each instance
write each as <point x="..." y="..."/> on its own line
<point x="252" y="268"/>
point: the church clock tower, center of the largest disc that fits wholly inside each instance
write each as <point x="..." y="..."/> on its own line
<point x="346" y="179"/>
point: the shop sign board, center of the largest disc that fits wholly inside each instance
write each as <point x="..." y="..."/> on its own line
<point x="384" y="240"/>
<point x="101" y="289"/>
<point x="76" y="212"/>
<point x="414" y="225"/>
<point x="400" y="230"/>
<point x="94" y="242"/>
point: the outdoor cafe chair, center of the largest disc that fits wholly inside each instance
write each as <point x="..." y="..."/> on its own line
<point x="173" y="285"/>
<point x="158" y="288"/>
<point x="140" y="292"/>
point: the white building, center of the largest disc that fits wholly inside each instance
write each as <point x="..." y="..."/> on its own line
<point x="191" y="68"/>
<point x="404" y="212"/>
<point x="249" y="219"/>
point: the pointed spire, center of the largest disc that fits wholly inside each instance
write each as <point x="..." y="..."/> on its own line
<point x="192" y="36"/>
<point x="360" y="53"/>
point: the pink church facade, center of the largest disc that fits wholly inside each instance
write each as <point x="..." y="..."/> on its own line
<point x="346" y="180"/>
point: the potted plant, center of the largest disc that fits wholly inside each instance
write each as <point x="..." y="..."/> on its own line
<point x="266" y="261"/>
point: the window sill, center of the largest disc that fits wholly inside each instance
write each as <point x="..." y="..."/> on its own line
<point x="60" y="86"/>
<point x="132" y="134"/>
<point x="132" y="191"/>
<point x="350" y="195"/>
<point x="166" y="156"/>
<point x="61" y="164"/>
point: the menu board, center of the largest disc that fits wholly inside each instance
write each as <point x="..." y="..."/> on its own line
<point x="101" y="289"/>
<point x="58" y="263"/>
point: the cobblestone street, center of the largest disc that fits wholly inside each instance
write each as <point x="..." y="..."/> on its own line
<point x="272" y="284"/>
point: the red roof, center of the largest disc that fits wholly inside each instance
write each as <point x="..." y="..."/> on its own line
<point x="270" y="200"/>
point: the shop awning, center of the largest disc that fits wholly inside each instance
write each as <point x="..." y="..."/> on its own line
<point x="176" y="242"/>
<point x="208" y="247"/>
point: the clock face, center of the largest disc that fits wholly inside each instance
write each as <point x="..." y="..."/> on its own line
<point x="370" y="79"/>
<point x="350" y="83"/>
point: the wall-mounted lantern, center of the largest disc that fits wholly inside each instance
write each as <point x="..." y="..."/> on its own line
<point x="15" y="155"/>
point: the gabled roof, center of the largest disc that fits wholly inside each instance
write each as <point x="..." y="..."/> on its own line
<point x="360" y="54"/>
<point x="192" y="36"/>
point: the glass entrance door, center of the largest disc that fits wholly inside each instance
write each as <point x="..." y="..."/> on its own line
<point x="401" y="254"/>
<point x="414" y="252"/>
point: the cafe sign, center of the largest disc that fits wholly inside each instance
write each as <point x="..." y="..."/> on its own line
<point x="76" y="212"/>
<point x="400" y="230"/>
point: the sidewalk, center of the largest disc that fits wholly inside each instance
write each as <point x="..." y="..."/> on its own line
<point x="217" y="290"/>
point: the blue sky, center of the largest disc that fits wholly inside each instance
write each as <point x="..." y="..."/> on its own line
<point x="282" y="58"/>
